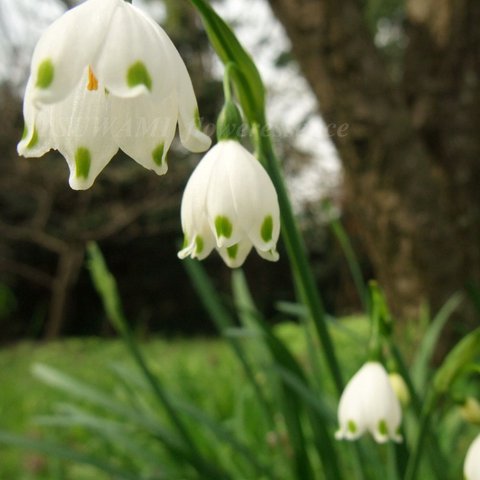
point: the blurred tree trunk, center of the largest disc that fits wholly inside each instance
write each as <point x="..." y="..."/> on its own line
<point x="412" y="153"/>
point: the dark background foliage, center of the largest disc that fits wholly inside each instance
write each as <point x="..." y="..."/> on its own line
<point x="45" y="290"/>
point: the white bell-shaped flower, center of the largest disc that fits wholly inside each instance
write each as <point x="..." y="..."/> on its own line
<point x="230" y="204"/>
<point x="369" y="403"/>
<point x="106" y="76"/>
<point x="471" y="467"/>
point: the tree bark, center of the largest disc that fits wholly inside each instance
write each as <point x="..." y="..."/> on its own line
<point x="412" y="153"/>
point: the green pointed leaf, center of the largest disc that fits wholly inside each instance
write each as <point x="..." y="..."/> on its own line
<point x="420" y="366"/>
<point x="248" y="83"/>
<point x="463" y="354"/>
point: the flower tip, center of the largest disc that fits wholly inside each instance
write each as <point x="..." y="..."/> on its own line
<point x="195" y="141"/>
<point x="182" y="254"/>
<point x="21" y="147"/>
<point x="271" y="255"/>
<point x="185" y="252"/>
<point x="397" y="438"/>
<point x="162" y="169"/>
<point x="78" y="184"/>
<point x="346" y="434"/>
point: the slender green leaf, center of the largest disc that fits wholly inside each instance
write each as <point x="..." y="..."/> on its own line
<point x="421" y="363"/>
<point x="49" y="448"/>
<point x="248" y="84"/>
<point x="352" y="261"/>
<point x="224" y="322"/>
<point x="462" y="355"/>
<point x="309" y="397"/>
<point x="293" y="404"/>
<point x="119" y="433"/>
<point x="107" y="289"/>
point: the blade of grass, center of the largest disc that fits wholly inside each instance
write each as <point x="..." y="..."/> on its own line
<point x="119" y="434"/>
<point x="352" y="261"/>
<point x="83" y="391"/>
<point x="224" y="321"/>
<point x="292" y="402"/>
<point x="106" y="286"/>
<point x="50" y="448"/>
<point x="134" y="383"/>
<point x="420" y="365"/>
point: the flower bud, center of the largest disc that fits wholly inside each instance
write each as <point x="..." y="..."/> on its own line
<point x="470" y="410"/>
<point x="400" y="388"/>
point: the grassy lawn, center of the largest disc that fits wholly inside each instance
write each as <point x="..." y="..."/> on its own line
<point x="180" y="363"/>
<point x="203" y="370"/>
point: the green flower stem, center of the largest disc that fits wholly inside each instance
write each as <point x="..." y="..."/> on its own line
<point x="417" y="450"/>
<point x="437" y="460"/>
<point x="376" y="335"/>
<point x="297" y="252"/>
<point x="227" y="75"/>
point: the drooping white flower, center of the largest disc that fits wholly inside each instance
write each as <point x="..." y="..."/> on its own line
<point x="369" y="403"/>
<point x="230" y="204"/>
<point x="106" y="76"/>
<point x="471" y="467"/>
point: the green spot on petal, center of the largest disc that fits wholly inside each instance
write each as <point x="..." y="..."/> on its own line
<point x="157" y="154"/>
<point x="185" y="242"/>
<point x="196" y="119"/>
<point x="34" y="140"/>
<point x="138" y="74"/>
<point x="25" y="132"/>
<point x="83" y="161"/>
<point x="199" y="244"/>
<point x="223" y="227"/>
<point x="382" y="427"/>
<point x="352" y="426"/>
<point x="232" y="251"/>
<point x="267" y="229"/>
<point x="45" y="74"/>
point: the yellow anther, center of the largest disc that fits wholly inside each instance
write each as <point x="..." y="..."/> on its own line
<point x="92" y="80"/>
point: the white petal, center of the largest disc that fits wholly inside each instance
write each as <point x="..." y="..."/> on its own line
<point x="133" y="60"/>
<point x="194" y="201"/>
<point x="191" y="136"/>
<point x="81" y="128"/>
<point x="235" y="255"/>
<point x="144" y="127"/>
<point x="350" y="411"/>
<point x="256" y="199"/>
<point x="200" y="246"/>
<point x="221" y="205"/>
<point x="195" y="224"/>
<point x="36" y="139"/>
<point x="381" y="406"/>
<point x="67" y="47"/>
<point x="270" y="255"/>
<point x="471" y="467"/>
<point x="189" y="125"/>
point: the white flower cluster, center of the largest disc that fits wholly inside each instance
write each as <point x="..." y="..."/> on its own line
<point x="105" y="64"/>
<point x="106" y="61"/>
